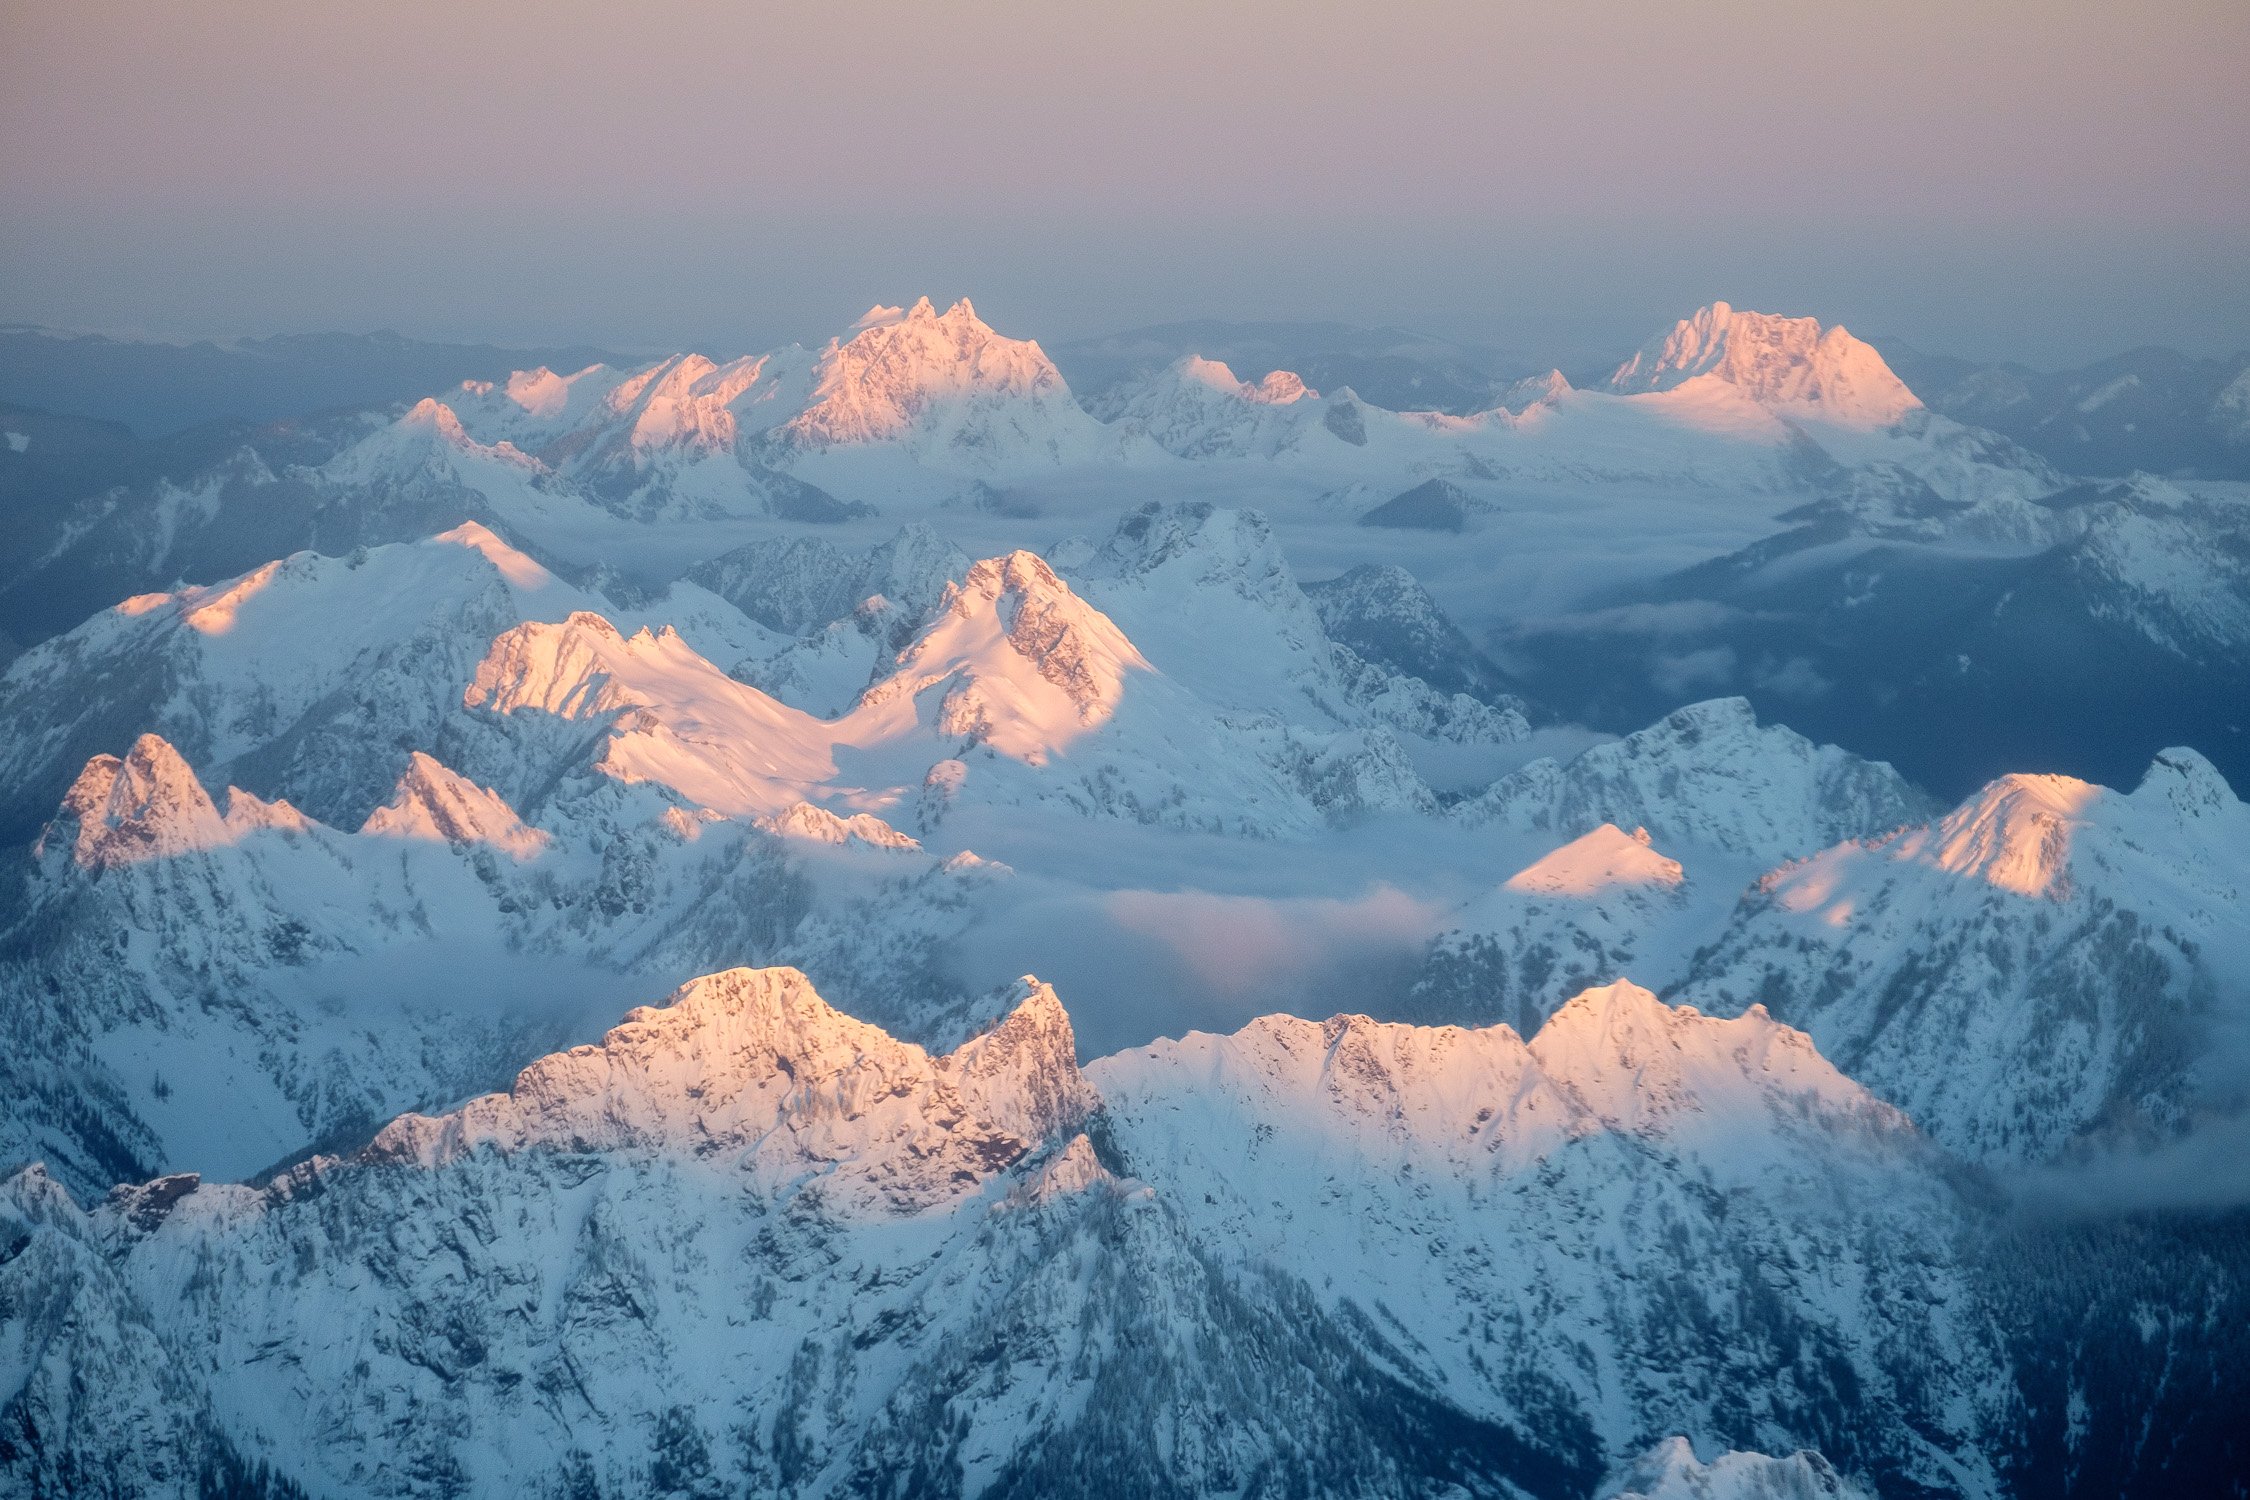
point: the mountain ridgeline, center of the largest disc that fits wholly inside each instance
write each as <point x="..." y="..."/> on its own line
<point x="867" y="920"/>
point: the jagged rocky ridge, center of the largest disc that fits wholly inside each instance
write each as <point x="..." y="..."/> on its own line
<point x="970" y="1272"/>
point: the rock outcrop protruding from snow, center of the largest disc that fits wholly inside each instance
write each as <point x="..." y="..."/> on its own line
<point x="146" y="806"/>
<point x="1232" y="1240"/>
<point x="948" y="386"/>
<point x="753" y="1065"/>
<point x="1383" y="613"/>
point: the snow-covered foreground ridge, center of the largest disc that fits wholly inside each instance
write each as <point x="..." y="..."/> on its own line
<point x="751" y="1242"/>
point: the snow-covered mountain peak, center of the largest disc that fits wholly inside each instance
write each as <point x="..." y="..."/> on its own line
<point x="926" y="370"/>
<point x="213" y="611"/>
<point x="1643" y="1066"/>
<point x="1022" y="1073"/>
<point x="147" y="805"/>
<point x="427" y="443"/>
<point x="678" y="722"/>
<point x="1036" y="664"/>
<point x="1198" y="408"/>
<point x="436" y="803"/>
<point x="2016" y="834"/>
<point x="1278" y="388"/>
<point x="549" y="396"/>
<point x="1788" y="363"/>
<point x="520" y="569"/>
<point x="2025" y="834"/>
<point x="1535" y="390"/>
<point x="2186" y="781"/>
<point x="1192" y="544"/>
<point x="2030" y="968"/>
<point x="1594" y="864"/>
<point x="751" y="1069"/>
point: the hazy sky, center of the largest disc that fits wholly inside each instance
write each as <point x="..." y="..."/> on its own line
<point x="2049" y="181"/>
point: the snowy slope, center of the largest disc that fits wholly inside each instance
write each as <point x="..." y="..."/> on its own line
<point x="1013" y="691"/>
<point x="1671" y="1471"/>
<point x="311" y="677"/>
<point x="2049" y="959"/>
<point x="1197" y="409"/>
<point x="164" y="979"/>
<point x="1521" y="1216"/>
<point x="607" y="1277"/>
<point x="1601" y="907"/>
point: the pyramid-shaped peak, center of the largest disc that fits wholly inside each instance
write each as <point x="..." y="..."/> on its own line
<point x="146" y="805"/>
<point x="436" y="803"/>
<point x="2016" y="833"/>
<point x="518" y="567"/>
<point x="923" y="371"/>
<point x="1009" y="621"/>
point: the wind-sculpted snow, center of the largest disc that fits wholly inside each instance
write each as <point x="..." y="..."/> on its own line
<point x="2049" y="959"/>
<point x="1707" y="775"/>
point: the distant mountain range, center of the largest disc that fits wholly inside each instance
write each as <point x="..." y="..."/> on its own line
<point x="157" y="389"/>
<point x="2148" y="409"/>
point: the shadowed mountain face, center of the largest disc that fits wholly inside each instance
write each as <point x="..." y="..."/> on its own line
<point x="2086" y="646"/>
<point x="2147" y="409"/>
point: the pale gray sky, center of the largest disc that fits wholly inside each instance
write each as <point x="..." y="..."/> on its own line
<point x="2050" y="181"/>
